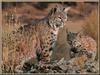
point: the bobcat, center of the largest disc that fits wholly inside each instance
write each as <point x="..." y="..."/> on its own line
<point x="83" y="47"/>
<point x="35" y="40"/>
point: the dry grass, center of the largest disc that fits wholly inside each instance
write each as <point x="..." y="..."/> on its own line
<point x="91" y="26"/>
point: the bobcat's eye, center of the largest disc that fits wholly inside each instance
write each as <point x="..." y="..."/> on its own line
<point x="59" y="17"/>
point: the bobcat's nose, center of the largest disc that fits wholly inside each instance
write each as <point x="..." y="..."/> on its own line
<point x="74" y="50"/>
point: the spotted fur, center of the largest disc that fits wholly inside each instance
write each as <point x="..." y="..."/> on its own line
<point x="83" y="48"/>
<point x="35" y="40"/>
<point x="82" y="45"/>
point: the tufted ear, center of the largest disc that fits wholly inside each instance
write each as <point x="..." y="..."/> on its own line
<point x="67" y="9"/>
<point x="80" y="34"/>
<point x="57" y="8"/>
<point x="53" y="10"/>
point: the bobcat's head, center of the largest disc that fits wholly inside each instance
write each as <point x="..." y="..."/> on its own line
<point x="71" y="37"/>
<point x="73" y="40"/>
<point x="58" y="16"/>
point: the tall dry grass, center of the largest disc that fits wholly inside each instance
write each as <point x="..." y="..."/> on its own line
<point x="91" y="27"/>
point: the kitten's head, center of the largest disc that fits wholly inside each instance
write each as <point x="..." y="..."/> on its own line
<point x="71" y="37"/>
<point x="73" y="40"/>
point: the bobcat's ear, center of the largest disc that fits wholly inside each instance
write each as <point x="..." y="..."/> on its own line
<point x="58" y="8"/>
<point x="53" y="10"/>
<point x="67" y="9"/>
<point x="80" y="34"/>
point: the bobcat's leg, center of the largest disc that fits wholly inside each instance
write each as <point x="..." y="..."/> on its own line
<point x="44" y="58"/>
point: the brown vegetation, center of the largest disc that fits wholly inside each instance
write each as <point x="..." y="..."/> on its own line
<point x="91" y="27"/>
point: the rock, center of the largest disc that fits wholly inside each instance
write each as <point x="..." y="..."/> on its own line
<point x="50" y="71"/>
<point x="92" y="66"/>
<point x="55" y="71"/>
<point x="33" y="71"/>
<point x="46" y="71"/>
<point x="61" y="61"/>
<point x="76" y="68"/>
<point x="61" y="66"/>
<point x="27" y="67"/>
<point x="69" y="69"/>
<point x="56" y="68"/>
<point x="18" y="69"/>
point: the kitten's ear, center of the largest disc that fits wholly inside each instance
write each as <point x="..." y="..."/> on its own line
<point x="80" y="34"/>
<point x="67" y="9"/>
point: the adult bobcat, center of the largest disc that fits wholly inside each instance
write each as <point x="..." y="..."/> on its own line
<point x="35" y="40"/>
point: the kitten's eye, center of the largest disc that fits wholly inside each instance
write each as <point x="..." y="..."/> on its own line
<point x="74" y="42"/>
<point x="59" y="17"/>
